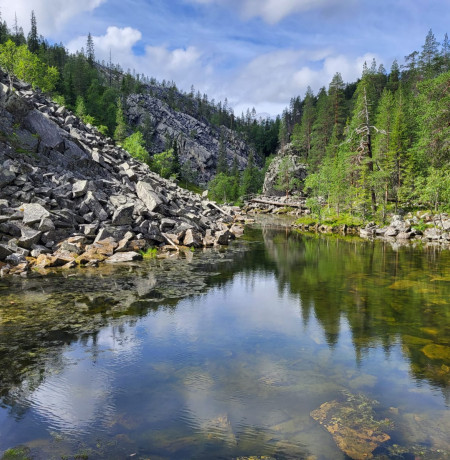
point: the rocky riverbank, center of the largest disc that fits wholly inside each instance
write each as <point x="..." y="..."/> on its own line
<point x="69" y="196"/>
<point x="419" y="227"/>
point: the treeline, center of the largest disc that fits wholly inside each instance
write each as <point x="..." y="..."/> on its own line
<point x="379" y="144"/>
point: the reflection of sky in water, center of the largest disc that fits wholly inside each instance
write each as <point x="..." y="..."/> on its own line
<point x="239" y="359"/>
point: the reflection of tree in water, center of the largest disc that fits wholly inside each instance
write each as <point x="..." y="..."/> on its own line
<point x="385" y="295"/>
<point x="39" y="316"/>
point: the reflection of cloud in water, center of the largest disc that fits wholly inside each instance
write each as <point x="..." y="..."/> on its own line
<point x="73" y="400"/>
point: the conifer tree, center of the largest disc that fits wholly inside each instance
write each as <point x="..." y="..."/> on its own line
<point x="33" y="41"/>
<point x="120" y="132"/>
<point x="302" y="134"/>
<point x="90" y="52"/>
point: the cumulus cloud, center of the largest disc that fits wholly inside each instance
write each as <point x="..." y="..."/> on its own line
<point x="270" y="80"/>
<point x="51" y="15"/>
<point x="182" y="65"/>
<point x="272" y="11"/>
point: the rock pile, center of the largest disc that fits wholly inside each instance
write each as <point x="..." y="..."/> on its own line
<point x="69" y="195"/>
<point x="422" y="226"/>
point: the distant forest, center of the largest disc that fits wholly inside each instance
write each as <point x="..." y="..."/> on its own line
<point x="371" y="147"/>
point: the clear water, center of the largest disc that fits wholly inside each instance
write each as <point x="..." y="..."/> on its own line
<point x="227" y="354"/>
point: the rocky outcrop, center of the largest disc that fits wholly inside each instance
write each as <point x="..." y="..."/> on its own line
<point x="425" y="227"/>
<point x="69" y="195"/>
<point x="198" y="141"/>
<point x="297" y="170"/>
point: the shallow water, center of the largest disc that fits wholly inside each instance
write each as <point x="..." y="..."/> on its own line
<point x="227" y="354"/>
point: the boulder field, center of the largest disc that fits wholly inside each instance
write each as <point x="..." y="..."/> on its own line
<point x="69" y="196"/>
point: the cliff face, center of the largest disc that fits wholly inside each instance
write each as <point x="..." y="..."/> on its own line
<point x="61" y="179"/>
<point x="198" y="141"/>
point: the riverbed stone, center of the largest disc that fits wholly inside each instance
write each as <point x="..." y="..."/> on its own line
<point x="80" y="188"/>
<point x="120" y="257"/>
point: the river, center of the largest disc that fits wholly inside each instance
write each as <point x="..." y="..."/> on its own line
<point x="286" y="346"/>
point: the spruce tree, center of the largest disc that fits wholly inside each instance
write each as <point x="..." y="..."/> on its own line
<point x="33" y="41"/>
<point x="90" y="53"/>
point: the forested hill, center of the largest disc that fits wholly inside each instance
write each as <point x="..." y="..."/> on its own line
<point x="380" y="143"/>
<point x="371" y="146"/>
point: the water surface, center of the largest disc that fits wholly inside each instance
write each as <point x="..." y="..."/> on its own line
<point x="228" y="354"/>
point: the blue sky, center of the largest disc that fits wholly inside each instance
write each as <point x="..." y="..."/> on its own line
<point x="254" y="52"/>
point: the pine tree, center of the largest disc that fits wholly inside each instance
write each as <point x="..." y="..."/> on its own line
<point x="90" y="50"/>
<point x="429" y="55"/>
<point x="322" y="129"/>
<point x="302" y="133"/>
<point x="33" y="41"/>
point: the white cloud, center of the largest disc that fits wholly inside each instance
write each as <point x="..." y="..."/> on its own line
<point x="270" y="80"/>
<point x="182" y="65"/>
<point x="51" y="15"/>
<point x="272" y="11"/>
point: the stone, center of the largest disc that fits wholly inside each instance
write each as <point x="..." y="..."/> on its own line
<point x="391" y="231"/>
<point x="223" y="237"/>
<point x="29" y="237"/>
<point x="148" y="196"/>
<point x="123" y="243"/>
<point x="192" y="239"/>
<point x="5" y="251"/>
<point x="299" y="171"/>
<point x="33" y="212"/>
<point x="432" y="233"/>
<point x="80" y="188"/>
<point x="15" y="259"/>
<point x="208" y="239"/>
<point x="50" y="134"/>
<point x="120" y="257"/>
<point x="93" y="204"/>
<point x="237" y="230"/>
<point x="404" y="236"/>
<point x="123" y="215"/>
<point x="6" y="177"/>
<point x="46" y="225"/>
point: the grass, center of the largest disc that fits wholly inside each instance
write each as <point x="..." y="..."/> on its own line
<point x="150" y="253"/>
<point x="331" y="219"/>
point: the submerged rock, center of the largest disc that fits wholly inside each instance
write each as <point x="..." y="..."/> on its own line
<point x="352" y="424"/>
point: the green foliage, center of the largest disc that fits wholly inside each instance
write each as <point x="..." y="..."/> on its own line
<point x="434" y="189"/>
<point x="222" y="188"/>
<point x="286" y="180"/>
<point x="150" y="253"/>
<point x="134" y="145"/>
<point x="19" y="62"/>
<point x="120" y="132"/>
<point x="162" y="163"/>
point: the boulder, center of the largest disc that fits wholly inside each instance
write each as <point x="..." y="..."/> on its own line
<point x="80" y="188"/>
<point x="192" y="239"/>
<point x="6" y="177"/>
<point x="148" y="196"/>
<point x="33" y="212"/>
<point x="50" y="134"/>
<point x="123" y="215"/>
<point x="120" y="257"/>
<point x="29" y="238"/>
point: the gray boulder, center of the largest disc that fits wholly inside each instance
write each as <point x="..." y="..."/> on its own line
<point x="33" y="212"/>
<point x="148" y="196"/>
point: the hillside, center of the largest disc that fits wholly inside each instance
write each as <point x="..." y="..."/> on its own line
<point x="69" y="195"/>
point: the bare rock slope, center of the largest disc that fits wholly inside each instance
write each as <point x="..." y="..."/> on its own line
<point x="69" y="196"/>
